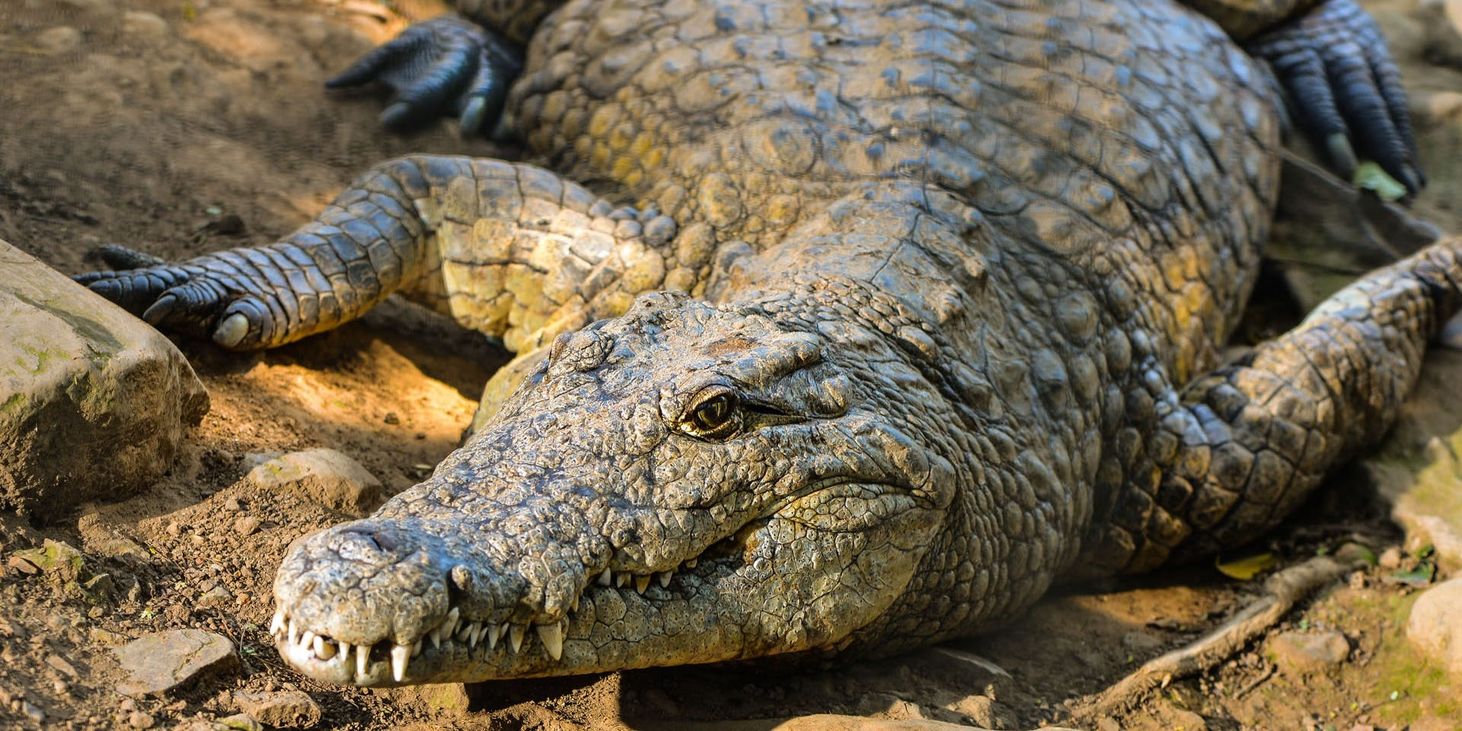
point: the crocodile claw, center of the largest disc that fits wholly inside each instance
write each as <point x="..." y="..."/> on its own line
<point x="440" y="66"/>
<point x="1345" y="90"/>
<point x="189" y="297"/>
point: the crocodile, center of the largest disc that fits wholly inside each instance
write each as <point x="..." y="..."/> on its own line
<point x="920" y="308"/>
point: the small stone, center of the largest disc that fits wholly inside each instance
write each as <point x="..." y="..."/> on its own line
<point x="391" y="418"/>
<point x="158" y="662"/>
<point x="287" y="709"/>
<point x="60" y="663"/>
<point x="60" y="39"/>
<point x="323" y="476"/>
<point x="216" y="598"/>
<point x="20" y="565"/>
<point x="986" y="712"/>
<point x="144" y="26"/>
<point x="32" y="712"/>
<point x="1435" y="624"/>
<point x="232" y="504"/>
<point x="1299" y="652"/>
<point x="138" y="719"/>
<point x="174" y="529"/>
<point x="57" y="559"/>
<point x="1390" y="558"/>
<point x="246" y="525"/>
<point x="240" y="722"/>
<point x="449" y="697"/>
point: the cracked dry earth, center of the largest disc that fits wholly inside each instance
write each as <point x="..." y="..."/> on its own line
<point x="185" y="126"/>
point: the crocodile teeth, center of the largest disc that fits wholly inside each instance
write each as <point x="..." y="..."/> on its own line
<point x="464" y="632"/>
<point x="621" y="579"/>
<point x="276" y="624"/>
<point x="606" y="578"/>
<point x="450" y="624"/>
<point x="323" y="650"/>
<point x="307" y="639"/>
<point x="493" y="632"/>
<point x="400" y="655"/>
<point x="362" y="659"/>
<point x="664" y="578"/>
<point x="294" y="632"/>
<point x="515" y="635"/>
<point x="552" y="636"/>
<point x="344" y="652"/>
<point x="574" y="605"/>
<point x="416" y="648"/>
<point x="477" y="632"/>
<point x="642" y="583"/>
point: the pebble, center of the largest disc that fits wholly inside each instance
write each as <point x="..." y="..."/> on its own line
<point x="246" y="525"/>
<point x="1435" y="624"/>
<point x="143" y="25"/>
<point x="60" y="39"/>
<point x="1390" y="558"/>
<point x="288" y="708"/>
<point x="158" y="662"/>
<point x="1298" y="652"/>
<point x="216" y="598"/>
<point x="323" y="476"/>
<point x="138" y="719"/>
<point x="32" y="712"/>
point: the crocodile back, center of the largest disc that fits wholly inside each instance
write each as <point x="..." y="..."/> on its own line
<point x="1129" y="143"/>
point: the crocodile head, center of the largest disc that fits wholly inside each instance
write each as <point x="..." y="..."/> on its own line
<point x="683" y="484"/>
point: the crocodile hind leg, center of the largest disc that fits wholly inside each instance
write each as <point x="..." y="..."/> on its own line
<point x="511" y="250"/>
<point x="1238" y="449"/>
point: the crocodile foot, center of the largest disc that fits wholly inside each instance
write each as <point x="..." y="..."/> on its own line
<point x="1345" y="89"/>
<point x="445" y="65"/>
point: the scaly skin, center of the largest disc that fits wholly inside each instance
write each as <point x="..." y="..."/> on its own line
<point x="949" y="286"/>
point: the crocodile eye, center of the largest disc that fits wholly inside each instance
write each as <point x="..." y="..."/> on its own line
<point x="715" y="416"/>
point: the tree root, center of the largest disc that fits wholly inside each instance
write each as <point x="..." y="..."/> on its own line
<point x="1286" y="588"/>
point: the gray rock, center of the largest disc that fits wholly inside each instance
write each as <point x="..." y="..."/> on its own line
<point x="1435" y="624"/>
<point x="161" y="661"/>
<point x="1299" y="653"/>
<point x="322" y="476"/>
<point x="282" y="709"/>
<point x="57" y="40"/>
<point x="93" y="401"/>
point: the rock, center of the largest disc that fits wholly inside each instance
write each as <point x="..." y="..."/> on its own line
<point x="58" y="40"/>
<point x="216" y="598"/>
<point x="986" y="712"/>
<point x="1435" y="624"/>
<point x="282" y="709"/>
<point x="56" y="559"/>
<point x="144" y="26"/>
<point x="246" y="525"/>
<point x="161" y="661"/>
<point x="93" y="402"/>
<point x="238" y="722"/>
<point x="138" y="719"/>
<point x="451" y="697"/>
<point x="323" y="476"/>
<point x="833" y="722"/>
<point x="1298" y="653"/>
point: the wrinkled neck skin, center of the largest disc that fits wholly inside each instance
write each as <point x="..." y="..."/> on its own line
<point x="816" y="464"/>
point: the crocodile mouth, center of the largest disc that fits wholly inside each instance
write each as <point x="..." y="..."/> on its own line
<point x="460" y="641"/>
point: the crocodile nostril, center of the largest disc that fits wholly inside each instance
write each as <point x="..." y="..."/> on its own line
<point x="382" y="541"/>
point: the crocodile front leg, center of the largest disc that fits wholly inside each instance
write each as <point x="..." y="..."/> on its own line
<point x="1236" y="451"/>
<point x="510" y="250"/>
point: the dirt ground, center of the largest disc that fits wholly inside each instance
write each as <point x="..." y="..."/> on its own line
<point x="184" y="126"/>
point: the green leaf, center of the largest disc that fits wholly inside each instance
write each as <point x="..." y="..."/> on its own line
<point x="1370" y="176"/>
<point x="1248" y="567"/>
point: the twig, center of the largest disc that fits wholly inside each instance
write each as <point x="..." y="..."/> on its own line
<point x="1285" y="588"/>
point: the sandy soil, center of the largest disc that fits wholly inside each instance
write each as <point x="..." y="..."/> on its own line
<point x="183" y="126"/>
